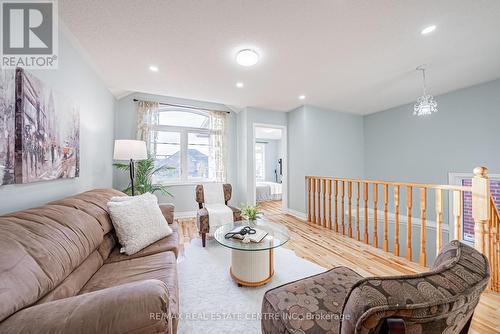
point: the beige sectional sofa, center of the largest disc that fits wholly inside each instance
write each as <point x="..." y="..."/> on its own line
<point x="61" y="272"/>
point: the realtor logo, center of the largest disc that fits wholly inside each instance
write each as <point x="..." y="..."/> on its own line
<point x="29" y="34"/>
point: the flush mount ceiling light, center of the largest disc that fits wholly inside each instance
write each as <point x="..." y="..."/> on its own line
<point x="239" y="84"/>
<point x="247" y="57"/>
<point x="426" y="105"/>
<point x="302" y="97"/>
<point x="153" y="68"/>
<point x="428" y="30"/>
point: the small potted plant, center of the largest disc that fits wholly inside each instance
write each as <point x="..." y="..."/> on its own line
<point x="250" y="212"/>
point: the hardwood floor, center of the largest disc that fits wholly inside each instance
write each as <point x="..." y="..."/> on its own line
<point x="329" y="249"/>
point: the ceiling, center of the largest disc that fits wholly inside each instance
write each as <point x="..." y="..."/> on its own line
<point x="267" y="133"/>
<point x="351" y="56"/>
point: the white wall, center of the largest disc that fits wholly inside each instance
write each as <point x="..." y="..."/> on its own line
<point x="183" y="194"/>
<point x="78" y="81"/>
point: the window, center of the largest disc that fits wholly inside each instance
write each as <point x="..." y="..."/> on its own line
<point x="181" y="140"/>
<point x="467" y="224"/>
<point x="260" y="161"/>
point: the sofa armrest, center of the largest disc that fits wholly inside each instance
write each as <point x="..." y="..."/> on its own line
<point x="128" y="308"/>
<point x="168" y="211"/>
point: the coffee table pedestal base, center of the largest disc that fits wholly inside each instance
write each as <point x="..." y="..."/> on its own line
<point x="252" y="268"/>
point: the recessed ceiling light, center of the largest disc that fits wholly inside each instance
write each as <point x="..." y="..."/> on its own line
<point x="302" y="97"/>
<point x="154" y="68"/>
<point x="428" y="30"/>
<point x="247" y="57"/>
<point x="239" y="84"/>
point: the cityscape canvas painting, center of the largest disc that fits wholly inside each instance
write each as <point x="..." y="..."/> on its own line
<point x="40" y="134"/>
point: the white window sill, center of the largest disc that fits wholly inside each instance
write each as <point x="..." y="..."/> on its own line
<point x="184" y="183"/>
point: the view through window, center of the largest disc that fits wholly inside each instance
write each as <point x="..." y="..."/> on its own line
<point x="180" y="140"/>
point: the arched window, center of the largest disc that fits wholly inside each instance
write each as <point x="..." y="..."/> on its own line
<point x="181" y="141"/>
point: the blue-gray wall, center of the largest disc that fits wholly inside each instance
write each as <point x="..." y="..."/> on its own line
<point x="247" y="119"/>
<point x="462" y="135"/>
<point x="183" y="193"/>
<point x="323" y="143"/>
<point x="78" y="81"/>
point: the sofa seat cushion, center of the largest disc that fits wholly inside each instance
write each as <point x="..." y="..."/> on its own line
<point x="309" y="305"/>
<point x="39" y="249"/>
<point x="161" y="266"/>
<point x="170" y="243"/>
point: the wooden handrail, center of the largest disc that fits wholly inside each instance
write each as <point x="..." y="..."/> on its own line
<point x="364" y="195"/>
<point x="393" y="183"/>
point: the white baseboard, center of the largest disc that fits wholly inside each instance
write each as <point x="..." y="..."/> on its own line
<point x="184" y="214"/>
<point x="297" y="214"/>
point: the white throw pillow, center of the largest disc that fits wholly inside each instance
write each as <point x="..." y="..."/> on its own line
<point x="138" y="221"/>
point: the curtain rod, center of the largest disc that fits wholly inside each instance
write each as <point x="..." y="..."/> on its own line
<point x="187" y="107"/>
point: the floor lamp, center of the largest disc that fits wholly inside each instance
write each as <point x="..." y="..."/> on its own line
<point x="130" y="150"/>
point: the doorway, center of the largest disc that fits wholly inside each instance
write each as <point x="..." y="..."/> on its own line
<point x="269" y="165"/>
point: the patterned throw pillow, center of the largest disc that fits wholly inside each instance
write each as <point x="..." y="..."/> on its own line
<point x="138" y="222"/>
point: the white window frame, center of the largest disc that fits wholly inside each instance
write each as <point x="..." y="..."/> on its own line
<point x="456" y="179"/>
<point x="263" y="148"/>
<point x="184" y="131"/>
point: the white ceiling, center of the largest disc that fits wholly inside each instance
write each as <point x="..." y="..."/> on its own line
<point x="267" y="133"/>
<point x="352" y="56"/>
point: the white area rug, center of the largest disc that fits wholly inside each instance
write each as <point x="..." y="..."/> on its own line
<point x="210" y="302"/>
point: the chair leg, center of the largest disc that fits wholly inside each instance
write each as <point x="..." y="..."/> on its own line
<point x="465" y="330"/>
<point x="203" y="239"/>
<point x="393" y="326"/>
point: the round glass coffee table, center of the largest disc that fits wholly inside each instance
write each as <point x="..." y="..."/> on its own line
<point x="252" y="263"/>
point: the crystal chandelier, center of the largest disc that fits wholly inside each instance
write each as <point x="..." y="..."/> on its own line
<point x="426" y="105"/>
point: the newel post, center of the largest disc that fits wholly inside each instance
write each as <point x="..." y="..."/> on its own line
<point x="480" y="209"/>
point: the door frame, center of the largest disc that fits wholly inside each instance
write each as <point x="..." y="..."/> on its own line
<point x="284" y="152"/>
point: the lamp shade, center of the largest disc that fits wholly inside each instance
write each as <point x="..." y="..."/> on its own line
<point x="130" y="149"/>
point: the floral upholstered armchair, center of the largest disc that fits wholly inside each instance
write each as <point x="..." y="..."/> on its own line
<point x="202" y="215"/>
<point x="341" y="301"/>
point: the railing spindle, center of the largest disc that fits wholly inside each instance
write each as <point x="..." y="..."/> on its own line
<point x="409" y="200"/>
<point x="396" y="220"/>
<point x="386" y="222"/>
<point x="313" y="180"/>
<point x="318" y="188"/>
<point x="336" y="204"/>
<point x="439" y="220"/>
<point x="308" y="181"/>
<point x="365" y="194"/>
<point x="423" y="219"/>
<point x="330" y="204"/>
<point x="349" y="205"/>
<point x="358" y="188"/>
<point x="324" y="202"/>
<point x="342" y="213"/>
<point x="375" y="215"/>
<point x="457" y="214"/>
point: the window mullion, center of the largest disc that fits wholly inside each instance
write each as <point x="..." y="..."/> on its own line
<point x="184" y="155"/>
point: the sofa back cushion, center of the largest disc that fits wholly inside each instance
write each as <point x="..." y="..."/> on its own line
<point x="441" y="300"/>
<point x="39" y="249"/>
<point x="94" y="203"/>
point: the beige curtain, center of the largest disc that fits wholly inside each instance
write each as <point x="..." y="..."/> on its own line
<point x="217" y="151"/>
<point x="147" y="118"/>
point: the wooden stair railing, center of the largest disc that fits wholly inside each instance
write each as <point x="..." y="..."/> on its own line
<point x="364" y="195"/>
<point x="494" y="247"/>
